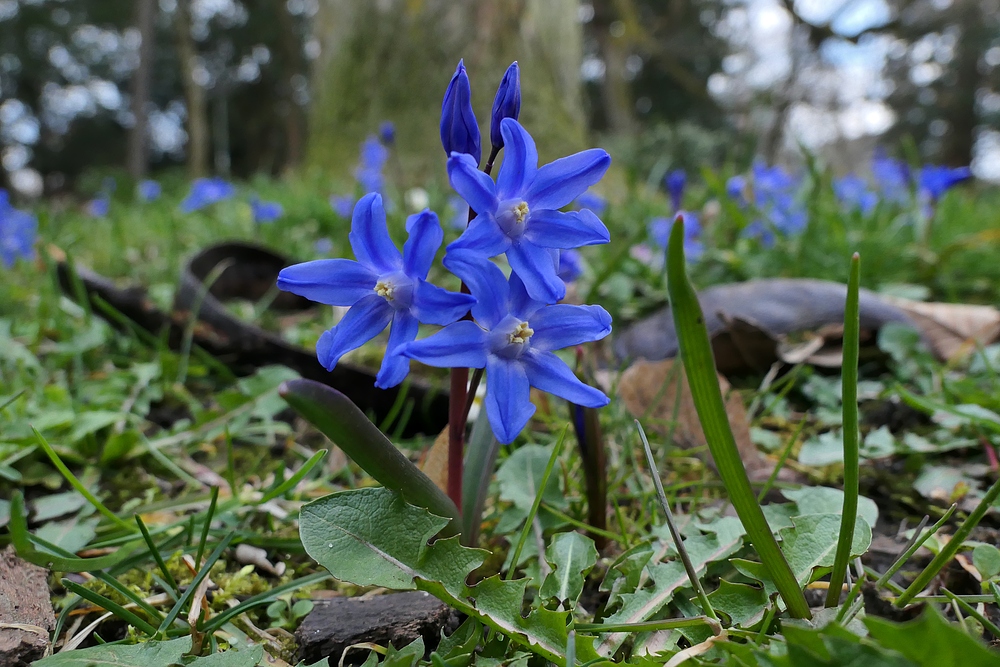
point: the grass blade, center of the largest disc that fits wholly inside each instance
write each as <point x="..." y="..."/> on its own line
<point x="949" y="550"/>
<point x="849" y="515"/>
<point x="121" y="612"/>
<point x="78" y="485"/>
<point x="530" y="520"/>
<point x="699" y="364"/>
<point x="292" y="481"/>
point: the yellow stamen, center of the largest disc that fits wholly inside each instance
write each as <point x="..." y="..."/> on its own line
<point x="521" y="212"/>
<point x="521" y="334"/>
<point x="385" y="289"/>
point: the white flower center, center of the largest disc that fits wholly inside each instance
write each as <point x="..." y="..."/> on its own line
<point x="520" y="212"/>
<point x="520" y="335"/>
<point x="385" y="289"/>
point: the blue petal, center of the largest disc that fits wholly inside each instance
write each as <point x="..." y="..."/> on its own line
<point x="335" y="282"/>
<point x="560" y="182"/>
<point x="535" y="266"/>
<point x="554" y="229"/>
<point x="462" y="344"/>
<point x="475" y="187"/>
<point x="394" y="365"/>
<point x="520" y="160"/>
<point x="433" y="305"/>
<point x="522" y="306"/>
<point x="370" y="238"/>
<point x="422" y="244"/>
<point x="365" y="320"/>
<point x="564" y="325"/>
<point x="508" y="401"/>
<point x="486" y="282"/>
<point x="483" y="235"/>
<point x="549" y="373"/>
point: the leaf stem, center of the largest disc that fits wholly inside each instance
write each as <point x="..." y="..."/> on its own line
<point x="699" y="364"/>
<point x="849" y="515"/>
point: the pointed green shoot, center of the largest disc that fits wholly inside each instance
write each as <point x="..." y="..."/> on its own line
<point x="849" y="515"/>
<point x="347" y="427"/>
<point x="699" y="364"/>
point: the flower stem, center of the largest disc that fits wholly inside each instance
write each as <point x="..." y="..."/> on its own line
<point x="460" y="400"/>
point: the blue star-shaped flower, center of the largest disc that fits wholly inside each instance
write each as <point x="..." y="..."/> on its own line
<point x="513" y="337"/>
<point x="381" y="287"/>
<point x="519" y="214"/>
<point x="935" y="180"/>
<point x="853" y="192"/>
<point x="205" y="192"/>
<point x="265" y="211"/>
<point x="17" y="232"/>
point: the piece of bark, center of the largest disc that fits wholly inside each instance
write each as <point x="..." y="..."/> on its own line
<point x="776" y="306"/>
<point x="399" y="618"/>
<point x="651" y="388"/>
<point x="26" y="616"/>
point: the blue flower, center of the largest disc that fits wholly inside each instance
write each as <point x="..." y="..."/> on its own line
<point x="205" y="192"/>
<point x="265" y="211"/>
<point x="892" y="177"/>
<point x="675" y="182"/>
<point x="99" y="206"/>
<point x="592" y="201"/>
<point x="513" y="337"/>
<point x="506" y="104"/>
<point x="519" y="214"/>
<point x="736" y="188"/>
<point x="936" y="180"/>
<point x="570" y="265"/>
<point x="17" y="232"/>
<point x="369" y="170"/>
<point x="342" y="205"/>
<point x="323" y="245"/>
<point x="459" y="130"/>
<point x="853" y="192"/>
<point x="773" y="190"/>
<point x="659" y="233"/>
<point x="381" y="287"/>
<point x="758" y="229"/>
<point x="387" y="133"/>
<point x="459" y="213"/>
<point x="149" y="190"/>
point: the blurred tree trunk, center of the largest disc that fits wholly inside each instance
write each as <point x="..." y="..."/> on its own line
<point x="290" y="108"/>
<point x="392" y="60"/>
<point x="194" y="94"/>
<point x="137" y="151"/>
<point x="616" y="91"/>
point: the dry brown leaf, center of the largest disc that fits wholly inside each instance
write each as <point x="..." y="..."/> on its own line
<point x="650" y="387"/>
<point x="434" y="462"/>
<point x="952" y="329"/>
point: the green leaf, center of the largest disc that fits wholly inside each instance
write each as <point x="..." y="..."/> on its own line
<point x="245" y="657"/>
<point x="373" y="537"/>
<point x="121" y="655"/>
<point x="744" y="605"/>
<point x="809" y="545"/>
<point x="986" y="558"/>
<point x="667" y="579"/>
<point x="699" y="366"/>
<point x="71" y="534"/>
<point x="931" y="641"/>
<point x="824" y="500"/>
<point x="340" y="420"/>
<point x="521" y="475"/>
<point x="571" y="556"/>
<point x="408" y="656"/>
<point x="833" y="646"/>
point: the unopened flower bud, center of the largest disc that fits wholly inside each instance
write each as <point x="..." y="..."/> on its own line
<point x="507" y="103"/>
<point x="459" y="130"/>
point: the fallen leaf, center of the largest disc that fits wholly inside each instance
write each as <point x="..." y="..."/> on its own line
<point x="649" y="390"/>
<point x="434" y="462"/>
<point x="952" y="329"/>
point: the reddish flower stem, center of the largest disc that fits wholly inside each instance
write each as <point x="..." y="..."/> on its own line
<point x="460" y="399"/>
